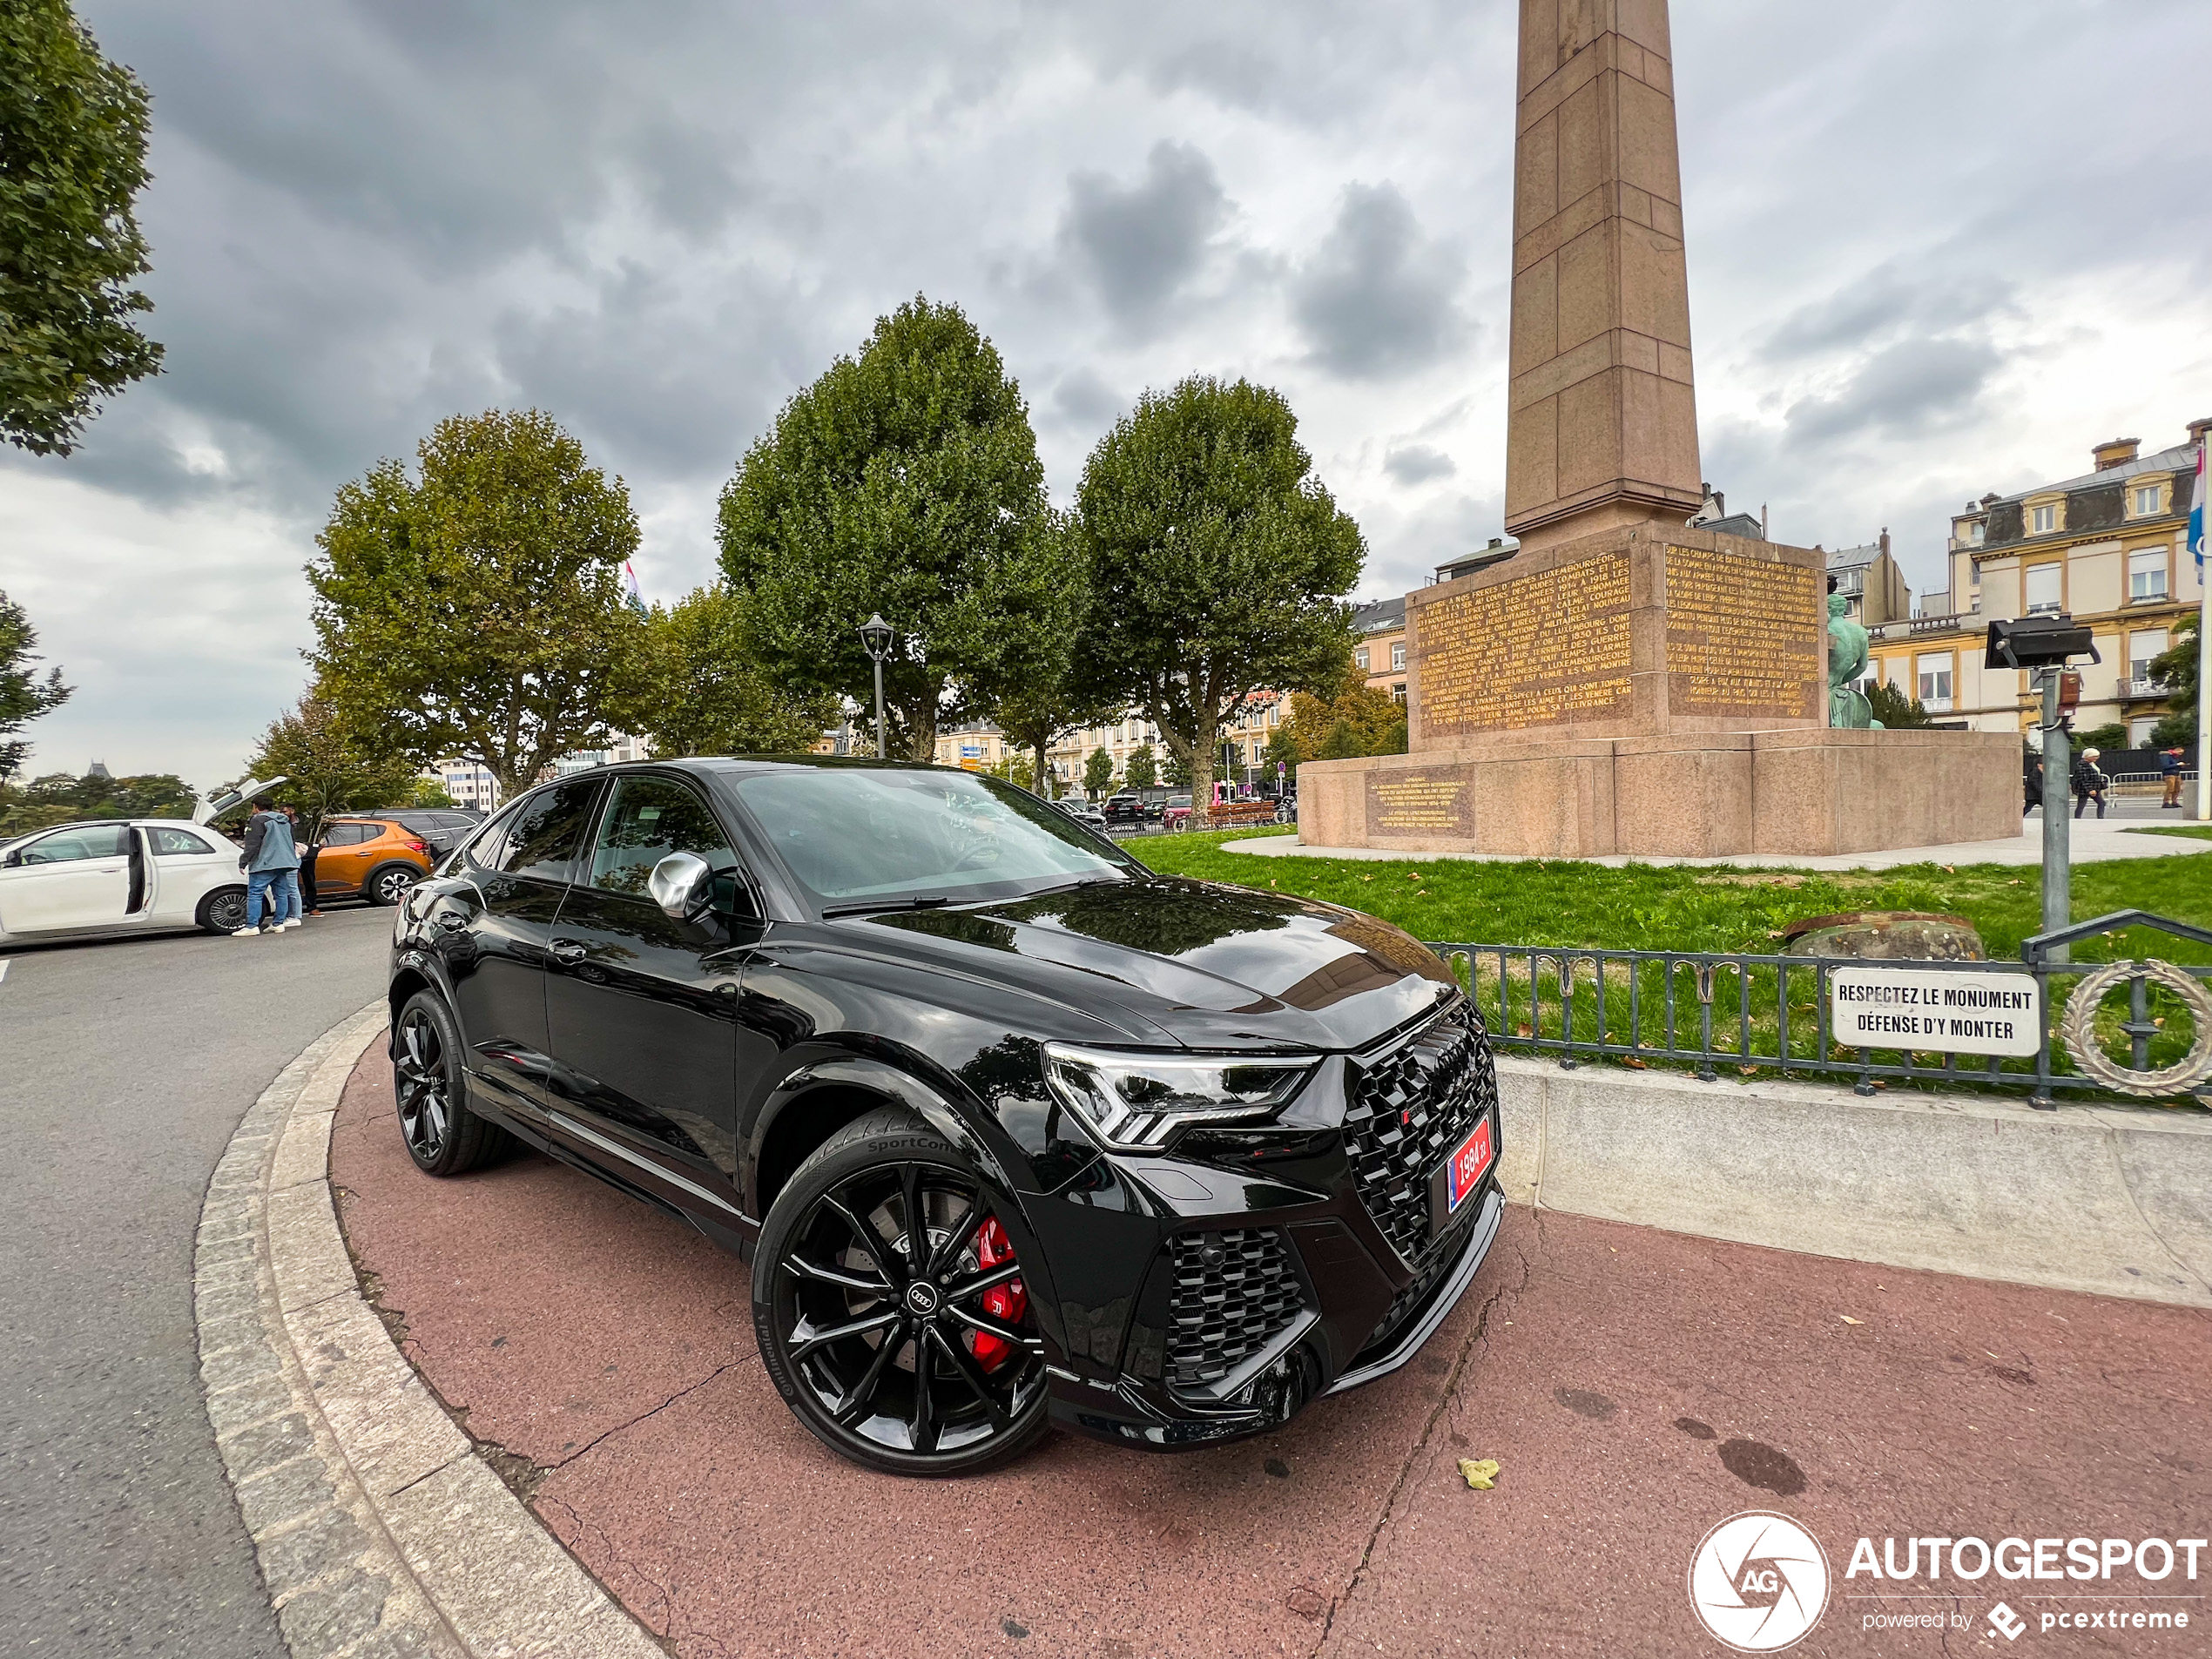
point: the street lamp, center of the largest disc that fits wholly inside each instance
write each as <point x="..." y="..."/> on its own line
<point x="2043" y="646"/>
<point x="875" y="634"/>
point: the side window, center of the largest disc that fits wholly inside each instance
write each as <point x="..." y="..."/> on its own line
<point x="651" y="818"/>
<point x="175" y="843"/>
<point x="541" y="842"/>
<point x="483" y="847"/>
<point x="342" y="834"/>
<point x="93" y="841"/>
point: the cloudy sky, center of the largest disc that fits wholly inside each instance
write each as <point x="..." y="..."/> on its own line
<point x="1934" y="250"/>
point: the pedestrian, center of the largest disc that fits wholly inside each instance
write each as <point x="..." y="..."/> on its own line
<point x="309" y="848"/>
<point x="292" y="904"/>
<point x="269" y="853"/>
<point x="2089" y="783"/>
<point x="2031" y="781"/>
<point x="2170" y="765"/>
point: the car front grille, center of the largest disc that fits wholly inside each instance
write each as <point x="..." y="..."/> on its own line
<point x="1410" y="1107"/>
<point x="1235" y="1292"/>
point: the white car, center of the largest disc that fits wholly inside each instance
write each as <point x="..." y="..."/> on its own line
<point x="120" y="875"/>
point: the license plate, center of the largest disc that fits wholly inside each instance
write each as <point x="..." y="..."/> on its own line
<point x="1461" y="1174"/>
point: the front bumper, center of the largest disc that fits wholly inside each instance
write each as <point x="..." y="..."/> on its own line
<point x="1209" y="1294"/>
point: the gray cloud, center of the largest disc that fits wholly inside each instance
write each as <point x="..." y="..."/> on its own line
<point x="1901" y="391"/>
<point x="1418" y="463"/>
<point x="1885" y="303"/>
<point x="1140" y="244"/>
<point x="1378" y="299"/>
<point x="1083" y="398"/>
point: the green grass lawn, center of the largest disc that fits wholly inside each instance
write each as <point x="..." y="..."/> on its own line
<point x="2193" y="831"/>
<point x="1669" y="907"/>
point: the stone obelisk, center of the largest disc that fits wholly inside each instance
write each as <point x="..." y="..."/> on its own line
<point x="1626" y="684"/>
<point x="1601" y="427"/>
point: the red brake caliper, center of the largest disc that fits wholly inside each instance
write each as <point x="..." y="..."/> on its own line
<point x="1006" y="1303"/>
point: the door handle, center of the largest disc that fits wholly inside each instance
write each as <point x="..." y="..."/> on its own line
<point x="568" y="950"/>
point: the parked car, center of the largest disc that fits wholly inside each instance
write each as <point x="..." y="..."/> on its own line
<point x="372" y="857"/>
<point x="439" y="828"/>
<point x="120" y="875"/>
<point x="1084" y="813"/>
<point x="1175" y="815"/>
<point x="1126" y="808"/>
<point x="1014" y="1131"/>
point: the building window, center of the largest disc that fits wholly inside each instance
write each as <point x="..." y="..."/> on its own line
<point x="2146" y="574"/>
<point x="1398" y="655"/>
<point x="1399" y="692"/>
<point x="2149" y="501"/>
<point x="1934" y="669"/>
<point x="2139" y="731"/>
<point x="2145" y="646"/>
<point x="2042" y="521"/>
<point x="1974" y="533"/>
<point x="1360" y="656"/>
<point x="2043" y="596"/>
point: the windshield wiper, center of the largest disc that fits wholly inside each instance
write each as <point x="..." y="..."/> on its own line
<point x="865" y="906"/>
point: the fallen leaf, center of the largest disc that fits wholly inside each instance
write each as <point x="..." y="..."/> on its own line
<point x="1951" y="869"/>
<point x="2014" y="882"/>
<point x="1522" y="1031"/>
<point x="1634" y="1064"/>
<point x="1482" y="1473"/>
<point x="1749" y="1071"/>
<point x="1847" y="1320"/>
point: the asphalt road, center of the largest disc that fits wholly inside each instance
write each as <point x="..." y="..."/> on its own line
<point x="124" y="1066"/>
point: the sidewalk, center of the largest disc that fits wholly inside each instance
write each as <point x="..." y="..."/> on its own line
<point x="1635" y="1386"/>
<point x="2094" y="841"/>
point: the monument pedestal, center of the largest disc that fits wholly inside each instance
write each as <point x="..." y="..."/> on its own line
<point x="1713" y="794"/>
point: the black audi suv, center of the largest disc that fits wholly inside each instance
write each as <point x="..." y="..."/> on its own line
<point x="1013" y="1130"/>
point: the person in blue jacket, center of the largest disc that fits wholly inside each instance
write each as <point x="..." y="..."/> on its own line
<point x="271" y="859"/>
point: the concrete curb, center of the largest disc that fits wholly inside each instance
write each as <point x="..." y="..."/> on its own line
<point x="379" y="1529"/>
<point x="2113" y="1200"/>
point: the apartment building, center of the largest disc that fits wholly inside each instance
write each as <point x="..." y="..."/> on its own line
<point x="1872" y="583"/>
<point x="2109" y="547"/>
<point x="466" y="783"/>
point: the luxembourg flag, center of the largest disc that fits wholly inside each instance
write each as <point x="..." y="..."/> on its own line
<point x="637" y="599"/>
<point x="2196" y="511"/>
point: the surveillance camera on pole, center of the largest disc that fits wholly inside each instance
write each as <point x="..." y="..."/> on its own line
<point x="2043" y="646"/>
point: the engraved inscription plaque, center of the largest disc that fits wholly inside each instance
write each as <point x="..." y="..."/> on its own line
<point x="1744" y="637"/>
<point x="1417" y="805"/>
<point x="1542" y="649"/>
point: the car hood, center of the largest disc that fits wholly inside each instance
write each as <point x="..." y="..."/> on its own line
<point x="1211" y="965"/>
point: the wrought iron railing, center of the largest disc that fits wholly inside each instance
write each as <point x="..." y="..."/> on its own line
<point x="1772" y="1014"/>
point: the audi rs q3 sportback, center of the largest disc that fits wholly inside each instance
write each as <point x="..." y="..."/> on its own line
<point x="1013" y="1130"/>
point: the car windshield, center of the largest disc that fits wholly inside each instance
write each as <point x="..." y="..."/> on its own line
<point x="854" y="835"/>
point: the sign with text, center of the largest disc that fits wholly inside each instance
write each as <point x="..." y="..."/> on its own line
<point x="1923" y="1008"/>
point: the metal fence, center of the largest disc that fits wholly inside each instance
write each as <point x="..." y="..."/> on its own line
<point x="1752" y="1015"/>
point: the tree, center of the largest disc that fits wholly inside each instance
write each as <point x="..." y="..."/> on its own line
<point x="700" y="690"/>
<point x="72" y="155"/>
<point x="58" y="798"/>
<point x="328" y="764"/>
<point x="1142" y="770"/>
<point x="1225" y="556"/>
<point x="1349" y="718"/>
<point x="478" y="611"/>
<point x="1098" y="771"/>
<point x="429" y="796"/>
<point x="1175" y="772"/>
<point x="24" y="695"/>
<point x="1896" y="711"/>
<point x="905" y="483"/>
<point x="2176" y="669"/>
<point x="2106" y="740"/>
<point x="1049" y="702"/>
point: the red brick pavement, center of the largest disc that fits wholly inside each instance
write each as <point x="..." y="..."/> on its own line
<point x="1637" y="1386"/>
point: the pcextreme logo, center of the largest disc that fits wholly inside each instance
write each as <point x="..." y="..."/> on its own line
<point x="1758" y="1582"/>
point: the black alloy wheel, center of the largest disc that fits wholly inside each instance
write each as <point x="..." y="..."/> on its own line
<point x="892" y="1314"/>
<point x="223" y="911"/>
<point x="391" y="884"/>
<point x="443" y="1135"/>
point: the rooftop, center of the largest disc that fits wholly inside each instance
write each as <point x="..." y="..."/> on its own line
<point x="1379" y="617"/>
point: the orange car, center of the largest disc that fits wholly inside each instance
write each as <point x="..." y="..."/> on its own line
<point x="376" y="859"/>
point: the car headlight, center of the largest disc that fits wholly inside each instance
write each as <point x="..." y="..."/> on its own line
<point x="1133" y="1102"/>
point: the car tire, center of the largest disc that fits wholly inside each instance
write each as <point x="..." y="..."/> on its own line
<point x="924" y="1397"/>
<point x="222" y="911"/>
<point x="388" y="884"/>
<point x="431" y="1088"/>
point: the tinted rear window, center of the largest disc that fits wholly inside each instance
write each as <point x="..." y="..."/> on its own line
<point x="543" y="840"/>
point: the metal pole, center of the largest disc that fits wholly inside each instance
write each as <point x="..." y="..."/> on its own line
<point x="2203" y="681"/>
<point x="2058" y="778"/>
<point x="882" y="749"/>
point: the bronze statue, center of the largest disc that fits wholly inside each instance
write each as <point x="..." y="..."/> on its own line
<point x="1847" y="704"/>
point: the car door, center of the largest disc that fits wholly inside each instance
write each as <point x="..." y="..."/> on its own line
<point x="184" y="868"/>
<point x="70" y="880"/>
<point x="493" y="935"/>
<point x="641" y="1006"/>
<point x="340" y="861"/>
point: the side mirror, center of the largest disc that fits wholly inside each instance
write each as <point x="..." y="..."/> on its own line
<point x="683" y="885"/>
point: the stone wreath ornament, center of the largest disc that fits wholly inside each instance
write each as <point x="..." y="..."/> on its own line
<point x="2077" y="1029"/>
